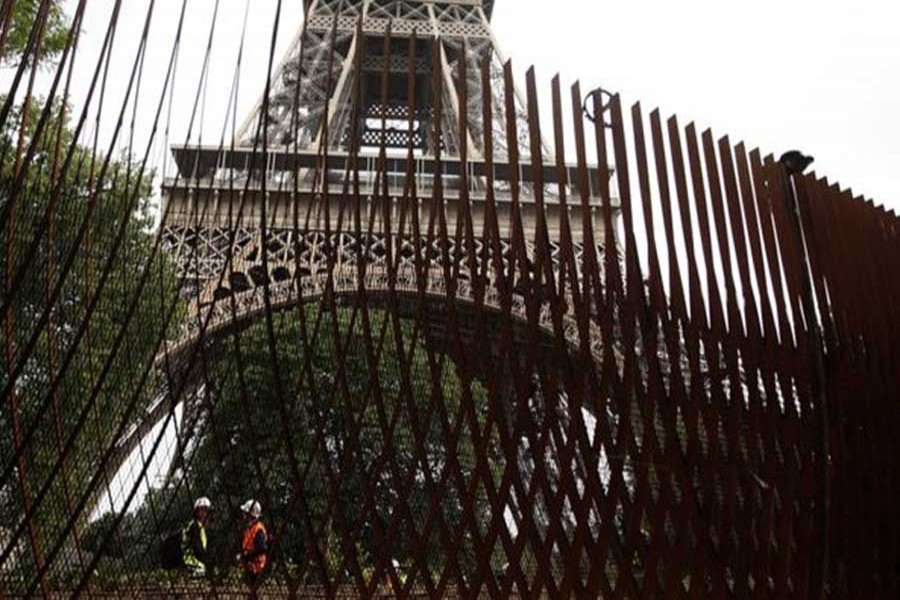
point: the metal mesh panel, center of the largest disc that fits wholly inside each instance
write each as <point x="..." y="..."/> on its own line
<point x="460" y="375"/>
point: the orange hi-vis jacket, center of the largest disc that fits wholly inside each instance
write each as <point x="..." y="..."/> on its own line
<point x="256" y="564"/>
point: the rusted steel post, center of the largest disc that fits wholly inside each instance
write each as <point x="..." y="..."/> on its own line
<point x="16" y="416"/>
<point x="792" y="165"/>
<point x="5" y="24"/>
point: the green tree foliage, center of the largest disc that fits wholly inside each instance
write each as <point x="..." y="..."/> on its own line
<point x="121" y="214"/>
<point x="23" y="18"/>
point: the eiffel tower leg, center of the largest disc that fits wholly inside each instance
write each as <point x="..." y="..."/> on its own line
<point x="339" y="106"/>
<point x="449" y="85"/>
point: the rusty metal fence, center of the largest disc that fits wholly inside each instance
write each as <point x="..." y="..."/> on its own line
<point x="674" y="379"/>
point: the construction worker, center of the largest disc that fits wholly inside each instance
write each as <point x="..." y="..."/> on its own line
<point x="194" y="540"/>
<point x="390" y="586"/>
<point x="255" y="546"/>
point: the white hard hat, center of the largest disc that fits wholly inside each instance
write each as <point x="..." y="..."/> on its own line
<point x="203" y="502"/>
<point x="252" y="508"/>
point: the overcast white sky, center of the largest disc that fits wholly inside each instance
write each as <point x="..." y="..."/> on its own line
<point x="822" y="76"/>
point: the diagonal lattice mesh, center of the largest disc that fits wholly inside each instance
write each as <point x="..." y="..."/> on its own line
<point x="633" y="362"/>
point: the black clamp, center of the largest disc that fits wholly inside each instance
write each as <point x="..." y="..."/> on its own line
<point x="596" y="97"/>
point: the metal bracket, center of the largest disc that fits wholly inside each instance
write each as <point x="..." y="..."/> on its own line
<point x="591" y="100"/>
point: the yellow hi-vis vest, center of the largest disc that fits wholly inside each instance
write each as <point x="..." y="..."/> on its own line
<point x="191" y="561"/>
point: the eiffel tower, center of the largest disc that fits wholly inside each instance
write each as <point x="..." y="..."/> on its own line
<point x="367" y="87"/>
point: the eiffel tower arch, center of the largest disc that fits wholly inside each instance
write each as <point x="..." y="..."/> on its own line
<point x="392" y="135"/>
<point x="376" y="101"/>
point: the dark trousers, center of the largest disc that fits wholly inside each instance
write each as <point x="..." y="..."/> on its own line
<point x="252" y="580"/>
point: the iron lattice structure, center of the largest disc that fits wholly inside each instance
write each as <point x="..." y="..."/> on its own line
<point x="341" y="39"/>
<point x="451" y="358"/>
